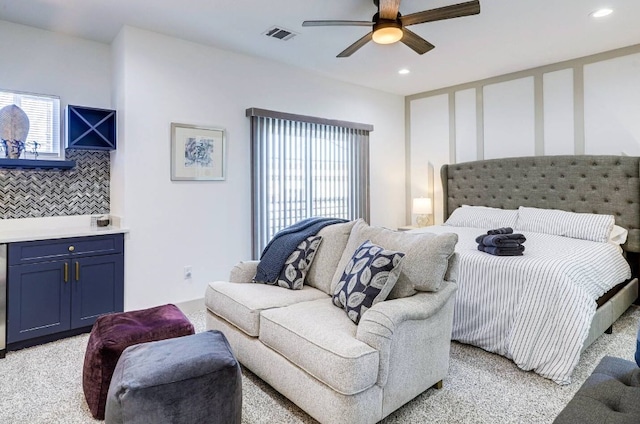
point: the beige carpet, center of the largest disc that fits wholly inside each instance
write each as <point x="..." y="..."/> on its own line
<point x="43" y="384"/>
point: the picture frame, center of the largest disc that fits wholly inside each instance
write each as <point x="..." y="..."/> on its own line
<point x="197" y="153"/>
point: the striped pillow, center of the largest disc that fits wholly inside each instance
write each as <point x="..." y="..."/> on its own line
<point x="585" y="226"/>
<point x="482" y="217"/>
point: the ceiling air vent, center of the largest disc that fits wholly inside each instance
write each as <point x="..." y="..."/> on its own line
<point x="280" y="33"/>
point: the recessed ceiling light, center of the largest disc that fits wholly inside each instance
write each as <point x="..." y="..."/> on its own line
<point x="601" y="13"/>
<point x="404" y="71"/>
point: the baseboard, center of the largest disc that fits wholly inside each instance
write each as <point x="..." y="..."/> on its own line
<point x="190" y="306"/>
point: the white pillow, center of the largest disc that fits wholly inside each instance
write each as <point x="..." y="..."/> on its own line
<point x="585" y="226"/>
<point x="482" y="217"/>
<point x="618" y="235"/>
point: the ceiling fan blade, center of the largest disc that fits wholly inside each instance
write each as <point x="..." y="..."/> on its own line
<point x="447" y="12"/>
<point x="415" y="42"/>
<point x="355" y="46"/>
<point x="336" y="23"/>
<point x="389" y="9"/>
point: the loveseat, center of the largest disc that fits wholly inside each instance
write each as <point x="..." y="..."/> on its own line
<point x="313" y="352"/>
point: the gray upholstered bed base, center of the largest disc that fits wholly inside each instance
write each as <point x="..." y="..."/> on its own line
<point x="588" y="184"/>
<point x="611" y="310"/>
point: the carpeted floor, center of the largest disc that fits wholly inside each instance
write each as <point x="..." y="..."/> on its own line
<point x="43" y="384"/>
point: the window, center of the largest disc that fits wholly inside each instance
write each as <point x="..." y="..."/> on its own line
<point x="304" y="167"/>
<point x="44" y="120"/>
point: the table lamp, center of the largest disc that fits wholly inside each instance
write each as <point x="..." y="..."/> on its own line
<point x="423" y="208"/>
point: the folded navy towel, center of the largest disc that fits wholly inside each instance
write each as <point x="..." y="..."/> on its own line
<point x="501" y="230"/>
<point x="512" y="238"/>
<point x="500" y="240"/>
<point x="501" y="251"/>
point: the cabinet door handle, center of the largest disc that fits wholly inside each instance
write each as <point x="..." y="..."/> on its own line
<point x="77" y="271"/>
<point x="66" y="272"/>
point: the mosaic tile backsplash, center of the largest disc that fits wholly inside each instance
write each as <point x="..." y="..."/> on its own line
<point x="35" y="193"/>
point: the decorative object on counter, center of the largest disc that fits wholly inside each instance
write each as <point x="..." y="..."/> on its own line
<point x="103" y="221"/>
<point x="14" y="127"/>
<point x="90" y="128"/>
<point x="33" y="145"/>
<point x="197" y="153"/>
<point x="422" y="207"/>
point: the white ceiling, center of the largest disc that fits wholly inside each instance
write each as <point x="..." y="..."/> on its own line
<point x="507" y="35"/>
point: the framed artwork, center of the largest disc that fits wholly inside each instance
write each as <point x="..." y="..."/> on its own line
<point x="197" y="153"/>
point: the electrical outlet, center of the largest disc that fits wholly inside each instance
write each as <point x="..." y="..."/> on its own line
<point x="187" y="272"/>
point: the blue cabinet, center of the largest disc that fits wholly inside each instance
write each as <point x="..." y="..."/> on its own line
<point x="58" y="286"/>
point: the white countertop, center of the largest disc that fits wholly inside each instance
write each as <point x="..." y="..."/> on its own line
<point x="15" y="230"/>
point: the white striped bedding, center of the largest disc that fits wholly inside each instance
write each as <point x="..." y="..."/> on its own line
<point x="534" y="309"/>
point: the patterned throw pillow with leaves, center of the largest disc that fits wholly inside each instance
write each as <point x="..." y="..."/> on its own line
<point x="298" y="263"/>
<point x="367" y="279"/>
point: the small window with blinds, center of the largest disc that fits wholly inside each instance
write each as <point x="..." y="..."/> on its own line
<point x="44" y="121"/>
<point x="305" y="167"/>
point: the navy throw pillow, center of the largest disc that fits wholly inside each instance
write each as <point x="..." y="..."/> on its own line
<point x="367" y="279"/>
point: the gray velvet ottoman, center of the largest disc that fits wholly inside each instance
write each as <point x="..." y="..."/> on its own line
<point x="190" y="379"/>
<point x="610" y="395"/>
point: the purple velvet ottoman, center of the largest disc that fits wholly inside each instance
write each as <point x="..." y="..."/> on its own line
<point x="112" y="334"/>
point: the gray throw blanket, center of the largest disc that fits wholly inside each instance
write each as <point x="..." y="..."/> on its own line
<point x="285" y="242"/>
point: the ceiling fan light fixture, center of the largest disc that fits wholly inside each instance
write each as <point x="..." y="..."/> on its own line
<point x="387" y="32"/>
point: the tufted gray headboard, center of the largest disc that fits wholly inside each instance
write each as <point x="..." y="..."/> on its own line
<point x="588" y="184"/>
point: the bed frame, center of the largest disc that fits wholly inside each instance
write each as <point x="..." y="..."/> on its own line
<point x="588" y="184"/>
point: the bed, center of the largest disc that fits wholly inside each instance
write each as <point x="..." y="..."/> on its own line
<point x="544" y="321"/>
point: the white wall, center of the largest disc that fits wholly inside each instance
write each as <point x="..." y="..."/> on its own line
<point x="159" y="80"/>
<point x="583" y="106"/>
<point x="43" y="62"/>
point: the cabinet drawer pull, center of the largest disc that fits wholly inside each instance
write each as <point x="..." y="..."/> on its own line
<point x="66" y="272"/>
<point x="71" y="248"/>
<point x="77" y="271"/>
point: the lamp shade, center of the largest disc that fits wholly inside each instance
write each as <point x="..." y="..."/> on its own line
<point x="422" y="206"/>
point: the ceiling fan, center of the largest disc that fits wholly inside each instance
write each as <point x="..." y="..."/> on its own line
<point x="389" y="26"/>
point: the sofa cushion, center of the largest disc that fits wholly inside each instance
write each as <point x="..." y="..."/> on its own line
<point x="330" y="352"/>
<point x="241" y="303"/>
<point x="334" y="240"/>
<point x="367" y="279"/>
<point x="426" y="256"/>
<point x="297" y="264"/>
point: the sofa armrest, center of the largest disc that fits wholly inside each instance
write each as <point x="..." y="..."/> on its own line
<point x="379" y="324"/>
<point x="243" y="272"/>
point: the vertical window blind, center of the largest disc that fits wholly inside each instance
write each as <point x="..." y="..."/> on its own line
<point x="44" y="120"/>
<point x="305" y="167"/>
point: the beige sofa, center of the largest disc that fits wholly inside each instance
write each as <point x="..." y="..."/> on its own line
<point x="309" y="350"/>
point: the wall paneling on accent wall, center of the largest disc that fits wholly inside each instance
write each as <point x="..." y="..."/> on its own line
<point x="589" y="105"/>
